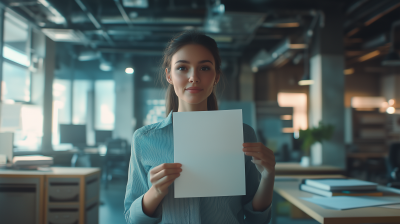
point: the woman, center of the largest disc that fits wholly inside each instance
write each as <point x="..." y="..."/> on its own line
<point x="192" y="69"/>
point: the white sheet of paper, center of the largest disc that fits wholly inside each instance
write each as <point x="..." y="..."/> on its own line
<point x="396" y="206"/>
<point x="349" y="202"/>
<point x="208" y="144"/>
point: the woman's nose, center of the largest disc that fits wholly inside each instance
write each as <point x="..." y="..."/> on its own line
<point x="194" y="78"/>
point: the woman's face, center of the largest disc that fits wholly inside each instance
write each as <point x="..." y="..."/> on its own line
<point x="192" y="74"/>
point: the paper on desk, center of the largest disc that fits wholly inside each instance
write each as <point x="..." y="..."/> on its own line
<point x="348" y="202"/>
<point x="208" y="144"/>
<point x="396" y="206"/>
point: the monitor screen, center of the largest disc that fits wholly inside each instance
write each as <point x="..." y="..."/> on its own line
<point x="102" y="136"/>
<point x="74" y="134"/>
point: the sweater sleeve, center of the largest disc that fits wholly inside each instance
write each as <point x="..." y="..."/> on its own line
<point x="137" y="185"/>
<point x="252" y="183"/>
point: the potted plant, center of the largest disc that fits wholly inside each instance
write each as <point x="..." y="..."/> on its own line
<point x="310" y="136"/>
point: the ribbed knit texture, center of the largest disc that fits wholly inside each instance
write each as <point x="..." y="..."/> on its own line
<point x="153" y="145"/>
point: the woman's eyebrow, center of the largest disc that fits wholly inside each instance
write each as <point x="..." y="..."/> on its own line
<point x="187" y="62"/>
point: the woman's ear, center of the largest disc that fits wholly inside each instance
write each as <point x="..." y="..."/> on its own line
<point x="168" y="76"/>
<point x="217" y="78"/>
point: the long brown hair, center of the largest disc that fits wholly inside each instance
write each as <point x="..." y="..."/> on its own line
<point x="188" y="37"/>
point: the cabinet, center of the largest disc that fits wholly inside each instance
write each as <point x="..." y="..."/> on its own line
<point x="369" y="131"/>
<point x="63" y="195"/>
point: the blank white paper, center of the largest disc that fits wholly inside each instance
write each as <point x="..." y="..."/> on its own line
<point x="348" y="202"/>
<point x="208" y="144"/>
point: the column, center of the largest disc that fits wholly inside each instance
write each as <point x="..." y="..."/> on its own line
<point x="327" y="92"/>
<point x="49" y="66"/>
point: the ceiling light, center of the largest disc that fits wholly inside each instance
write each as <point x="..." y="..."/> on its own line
<point x="369" y="56"/>
<point x="298" y="46"/>
<point x="349" y="71"/>
<point x="129" y="70"/>
<point x="390" y="110"/>
<point x="146" y="78"/>
<point x="306" y="80"/>
<point x="105" y="66"/>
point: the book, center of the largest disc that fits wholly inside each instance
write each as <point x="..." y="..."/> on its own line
<point x="32" y="160"/>
<point x="340" y="184"/>
<point x="325" y="193"/>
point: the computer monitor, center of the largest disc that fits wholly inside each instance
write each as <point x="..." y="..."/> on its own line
<point x="102" y="136"/>
<point x="74" y="134"/>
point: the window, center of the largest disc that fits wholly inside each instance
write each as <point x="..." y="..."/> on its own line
<point x="16" y="83"/>
<point x="61" y="106"/>
<point x="299" y="103"/>
<point x="29" y="138"/>
<point x="104" y="104"/>
<point x="80" y="95"/>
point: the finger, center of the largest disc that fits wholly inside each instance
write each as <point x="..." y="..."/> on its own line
<point x="167" y="179"/>
<point x="163" y="173"/>
<point x="251" y="144"/>
<point x="256" y="155"/>
<point x="257" y="149"/>
<point x="165" y="166"/>
<point x="168" y="183"/>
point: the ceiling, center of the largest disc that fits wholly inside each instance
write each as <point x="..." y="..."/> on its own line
<point x="241" y="28"/>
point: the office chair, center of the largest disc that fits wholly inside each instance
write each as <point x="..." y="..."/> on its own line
<point x="393" y="166"/>
<point x="116" y="159"/>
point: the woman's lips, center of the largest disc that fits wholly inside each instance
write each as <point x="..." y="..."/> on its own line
<point x="194" y="89"/>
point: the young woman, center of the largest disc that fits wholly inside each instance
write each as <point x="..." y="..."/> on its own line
<point x="192" y="69"/>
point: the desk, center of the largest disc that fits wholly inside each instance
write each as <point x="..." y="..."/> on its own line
<point x="62" y="195"/>
<point x="295" y="169"/>
<point x="289" y="190"/>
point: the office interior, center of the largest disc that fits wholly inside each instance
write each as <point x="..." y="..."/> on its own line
<point x="78" y="77"/>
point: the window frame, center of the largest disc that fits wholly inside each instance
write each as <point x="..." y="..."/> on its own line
<point x="29" y="52"/>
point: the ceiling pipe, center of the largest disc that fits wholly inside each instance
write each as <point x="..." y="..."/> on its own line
<point x="392" y="59"/>
<point x="384" y="7"/>
<point x="58" y="19"/>
<point x="123" y="13"/>
<point x="95" y="22"/>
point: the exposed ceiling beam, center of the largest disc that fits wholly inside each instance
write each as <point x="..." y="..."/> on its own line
<point x="370" y="15"/>
<point x="155" y="52"/>
<point x="95" y="22"/>
<point x="123" y="13"/>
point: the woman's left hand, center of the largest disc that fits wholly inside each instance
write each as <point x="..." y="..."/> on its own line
<point x="263" y="158"/>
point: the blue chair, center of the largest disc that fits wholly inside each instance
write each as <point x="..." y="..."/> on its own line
<point x="393" y="166"/>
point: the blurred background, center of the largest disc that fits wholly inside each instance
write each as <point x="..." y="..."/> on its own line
<point x="78" y="77"/>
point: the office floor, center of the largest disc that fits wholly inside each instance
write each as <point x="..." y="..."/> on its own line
<point x="112" y="207"/>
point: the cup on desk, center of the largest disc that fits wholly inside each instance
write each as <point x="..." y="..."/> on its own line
<point x="305" y="161"/>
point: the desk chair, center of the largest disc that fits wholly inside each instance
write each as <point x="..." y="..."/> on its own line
<point x="116" y="159"/>
<point x="393" y="165"/>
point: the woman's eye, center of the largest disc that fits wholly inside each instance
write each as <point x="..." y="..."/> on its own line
<point x="205" y="68"/>
<point x="181" y="68"/>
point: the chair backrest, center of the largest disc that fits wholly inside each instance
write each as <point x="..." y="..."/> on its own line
<point x="117" y="147"/>
<point x="394" y="155"/>
<point x="393" y="162"/>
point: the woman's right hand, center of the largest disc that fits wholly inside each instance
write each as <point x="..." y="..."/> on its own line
<point x="162" y="176"/>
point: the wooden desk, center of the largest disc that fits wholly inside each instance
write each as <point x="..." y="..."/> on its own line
<point x="60" y="181"/>
<point x="367" y="155"/>
<point x="295" y="169"/>
<point x="289" y="190"/>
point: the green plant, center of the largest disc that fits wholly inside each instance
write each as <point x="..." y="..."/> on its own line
<point x="317" y="134"/>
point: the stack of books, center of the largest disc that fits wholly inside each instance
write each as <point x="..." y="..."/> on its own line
<point x="340" y="187"/>
<point x="31" y="162"/>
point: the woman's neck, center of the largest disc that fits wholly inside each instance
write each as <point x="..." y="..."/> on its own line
<point x="186" y="107"/>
